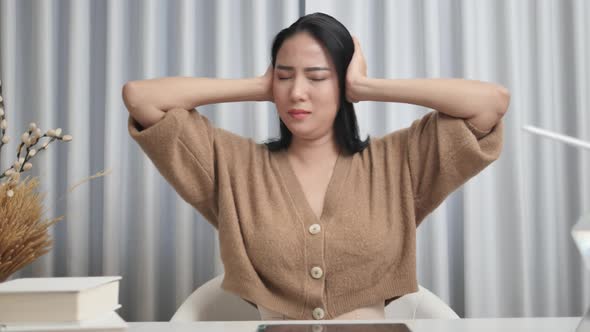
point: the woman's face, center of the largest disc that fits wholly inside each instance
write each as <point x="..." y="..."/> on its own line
<point x="305" y="87"/>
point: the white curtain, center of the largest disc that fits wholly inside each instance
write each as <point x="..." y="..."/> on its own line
<point x="500" y="246"/>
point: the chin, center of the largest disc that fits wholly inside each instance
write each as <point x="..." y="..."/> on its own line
<point x="299" y="132"/>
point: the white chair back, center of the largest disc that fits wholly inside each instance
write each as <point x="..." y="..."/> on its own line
<point x="211" y="303"/>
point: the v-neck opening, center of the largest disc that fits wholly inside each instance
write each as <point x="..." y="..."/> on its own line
<point x="295" y="188"/>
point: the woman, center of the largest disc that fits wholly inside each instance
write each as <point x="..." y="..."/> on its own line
<point x="317" y="224"/>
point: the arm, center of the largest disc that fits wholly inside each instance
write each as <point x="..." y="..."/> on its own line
<point x="148" y="100"/>
<point x="483" y="104"/>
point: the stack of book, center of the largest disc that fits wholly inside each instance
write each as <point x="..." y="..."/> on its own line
<point x="61" y="304"/>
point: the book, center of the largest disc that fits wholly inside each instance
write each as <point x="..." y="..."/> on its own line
<point x="110" y="322"/>
<point x="63" y="299"/>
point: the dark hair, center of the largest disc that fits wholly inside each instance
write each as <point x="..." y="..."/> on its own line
<point x="334" y="36"/>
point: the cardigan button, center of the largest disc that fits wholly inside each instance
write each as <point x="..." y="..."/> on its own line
<point x="316" y="272"/>
<point x="315" y="228"/>
<point x="318" y="313"/>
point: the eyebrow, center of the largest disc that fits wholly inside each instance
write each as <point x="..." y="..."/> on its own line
<point x="306" y="69"/>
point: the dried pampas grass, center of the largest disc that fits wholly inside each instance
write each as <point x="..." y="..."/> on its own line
<point x="24" y="235"/>
<point x="23" y="231"/>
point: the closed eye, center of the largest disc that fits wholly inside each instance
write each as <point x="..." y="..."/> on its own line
<point x="312" y="79"/>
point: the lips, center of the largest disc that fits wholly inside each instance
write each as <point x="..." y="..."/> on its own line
<point x="298" y="111"/>
<point x="298" y="114"/>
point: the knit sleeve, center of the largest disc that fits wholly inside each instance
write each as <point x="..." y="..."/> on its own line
<point x="180" y="145"/>
<point x="443" y="153"/>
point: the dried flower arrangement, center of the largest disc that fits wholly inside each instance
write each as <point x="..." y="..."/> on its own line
<point x="23" y="230"/>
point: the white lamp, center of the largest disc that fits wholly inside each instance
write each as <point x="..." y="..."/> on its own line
<point x="581" y="230"/>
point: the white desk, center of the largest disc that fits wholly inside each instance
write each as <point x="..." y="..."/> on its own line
<point x="562" y="324"/>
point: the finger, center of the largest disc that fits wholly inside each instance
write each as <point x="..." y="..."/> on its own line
<point x="355" y="41"/>
<point x="357" y="46"/>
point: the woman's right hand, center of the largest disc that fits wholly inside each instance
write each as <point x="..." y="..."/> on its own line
<point x="267" y="79"/>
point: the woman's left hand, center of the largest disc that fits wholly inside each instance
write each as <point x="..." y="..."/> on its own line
<point x="357" y="71"/>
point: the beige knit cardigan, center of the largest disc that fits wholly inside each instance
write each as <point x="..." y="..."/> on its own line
<point x="275" y="251"/>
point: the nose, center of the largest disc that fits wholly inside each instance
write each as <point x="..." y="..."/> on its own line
<point x="298" y="90"/>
